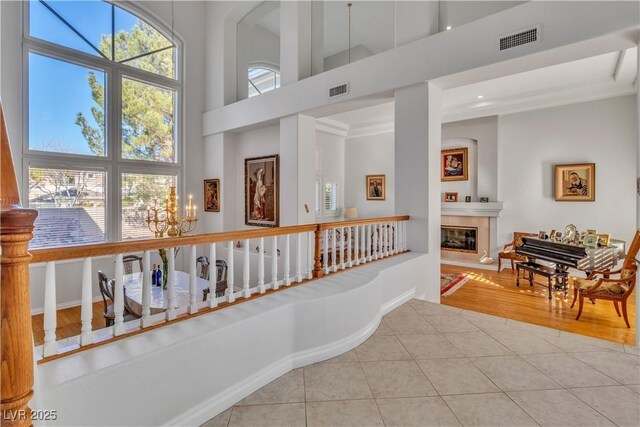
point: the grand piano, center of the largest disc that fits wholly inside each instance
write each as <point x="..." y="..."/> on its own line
<point x="565" y="255"/>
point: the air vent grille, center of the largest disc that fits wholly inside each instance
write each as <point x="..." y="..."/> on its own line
<point x="518" y="39"/>
<point x="342" y="89"/>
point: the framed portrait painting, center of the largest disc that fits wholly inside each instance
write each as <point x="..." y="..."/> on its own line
<point x="262" y="191"/>
<point x="454" y="164"/>
<point x="376" y="187"/>
<point x="212" y="195"/>
<point x="576" y="182"/>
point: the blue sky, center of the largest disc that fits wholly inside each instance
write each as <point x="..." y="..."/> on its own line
<point x="59" y="90"/>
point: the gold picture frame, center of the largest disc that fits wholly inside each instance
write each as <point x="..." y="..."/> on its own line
<point x="262" y="191"/>
<point x="454" y="164"/>
<point x="211" y="195"/>
<point x="604" y="239"/>
<point x="590" y="241"/>
<point x="376" y="187"/>
<point x="575" y="182"/>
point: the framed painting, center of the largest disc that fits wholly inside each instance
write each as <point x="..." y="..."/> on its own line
<point x="262" y="191"/>
<point x="376" y="187"/>
<point x="450" y="197"/>
<point x="576" y="182"/>
<point x="212" y="195"/>
<point x="454" y="164"/>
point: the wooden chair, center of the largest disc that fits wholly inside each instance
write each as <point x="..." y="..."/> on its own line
<point x="129" y="260"/>
<point x="509" y="250"/>
<point x="106" y="290"/>
<point x="203" y="271"/>
<point x="221" y="278"/>
<point x="600" y="285"/>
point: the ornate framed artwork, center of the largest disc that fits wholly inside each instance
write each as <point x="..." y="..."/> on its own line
<point x="451" y="197"/>
<point x="262" y="191"/>
<point x="454" y="164"/>
<point x="575" y="182"/>
<point x="212" y="195"/>
<point x="376" y="187"/>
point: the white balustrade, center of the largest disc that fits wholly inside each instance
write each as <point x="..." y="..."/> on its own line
<point x="261" y="287"/>
<point x="171" y="284"/>
<point x="50" y="307"/>
<point x="298" y="258"/>
<point x="213" y="277"/>
<point x="118" y="298"/>
<point x="310" y="249"/>
<point x="86" y="310"/>
<point x="325" y="251"/>
<point x="145" y="321"/>
<point x="230" y="296"/>
<point x="246" y="270"/>
<point x="287" y="263"/>
<point x="193" y="276"/>
<point x="274" y="263"/>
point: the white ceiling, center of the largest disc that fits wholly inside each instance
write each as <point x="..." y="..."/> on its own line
<point x="609" y="75"/>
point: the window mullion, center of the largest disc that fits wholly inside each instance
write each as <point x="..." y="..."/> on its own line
<point x="116" y="151"/>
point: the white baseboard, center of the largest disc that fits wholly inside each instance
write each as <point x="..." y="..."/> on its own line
<point x="69" y="304"/>
<point x="221" y="401"/>
<point x="493" y="267"/>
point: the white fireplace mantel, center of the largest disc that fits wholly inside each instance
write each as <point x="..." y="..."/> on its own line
<point x="490" y="209"/>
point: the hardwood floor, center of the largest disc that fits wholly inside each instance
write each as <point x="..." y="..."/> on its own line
<point x="69" y="324"/>
<point x="496" y="293"/>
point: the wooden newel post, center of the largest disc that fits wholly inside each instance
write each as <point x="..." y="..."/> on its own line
<point x="16" y="230"/>
<point x="317" y="253"/>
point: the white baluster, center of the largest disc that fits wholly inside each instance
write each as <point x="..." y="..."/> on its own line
<point x="367" y="245"/>
<point x="274" y="263"/>
<point x="404" y="235"/>
<point x="145" y="321"/>
<point x="356" y="239"/>
<point x="298" y="257"/>
<point x="287" y="261"/>
<point x="342" y="255"/>
<point x="171" y="284"/>
<point x="230" y="296"/>
<point x="363" y="237"/>
<point x="395" y="237"/>
<point x="50" y="307"/>
<point x="400" y="227"/>
<point x="325" y="244"/>
<point x="383" y="240"/>
<point x="86" y="313"/>
<point x="376" y="241"/>
<point x="213" y="277"/>
<point x="349" y="260"/>
<point x="310" y="254"/>
<point x="387" y="229"/>
<point x="118" y="298"/>
<point x="246" y="290"/>
<point x="334" y="256"/>
<point x="193" y="284"/>
<point x="261" y="287"/>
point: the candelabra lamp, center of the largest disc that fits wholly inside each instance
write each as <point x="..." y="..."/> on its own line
<point x="168" y="220"/>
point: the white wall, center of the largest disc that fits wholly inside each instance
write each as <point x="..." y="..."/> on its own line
<point x="531" y="143"/>
<point x="456" y="13"/>
<point x="331" y="163"/>
<point x="370" y="155"/>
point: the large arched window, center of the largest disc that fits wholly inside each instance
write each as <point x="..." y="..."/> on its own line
<point x="262" y="79"/>
<point x="102" y="90"/>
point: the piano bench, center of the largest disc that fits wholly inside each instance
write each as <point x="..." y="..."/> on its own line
<point x="557" y="277"/>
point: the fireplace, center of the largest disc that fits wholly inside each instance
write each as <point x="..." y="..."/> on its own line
<point x="455" y="238"/>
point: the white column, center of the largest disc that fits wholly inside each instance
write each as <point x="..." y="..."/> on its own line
<point x="171" y="284"/>
<point x="145" y="321"/>
<point x="261" y="287"/>
<point x="356" y="239"/>
<point x="193" y="276"/>
<point x="213" y="277"/>
<point x="287" y="260"/>
<point x="310" y="254"/>
<point x="86" y="336"/>
<point x="274" y="263"/>
<point x="230" y="296"/>
<point x="342" y="254"/>
<point x="246" y="291"/>
<point x="325" y="244"/>
<point x="295" y="41"/>
<point x="298" y="257"/>
<point x="50" y="308"/>
<point x="118" y="298"/>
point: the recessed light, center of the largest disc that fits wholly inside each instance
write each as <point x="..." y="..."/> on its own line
<point x="480" y="96"/>
<point x="448" y="27"/>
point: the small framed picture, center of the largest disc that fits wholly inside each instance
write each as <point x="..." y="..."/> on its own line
<point x="212" y="195"/>
<point x="454" y="164"/>
<point x="590" y="241"/>
<point x="542" y="234"/>
<point x="484" y="200"/>
<point x="591" y="231"/>
<point x="450" y="197"/>
<point x="553" y="235"/>
<point x="467" y="199"/>
<point x="576" y="182"/>
<point x="376" y="187"/>
<point x="603" y="239"/>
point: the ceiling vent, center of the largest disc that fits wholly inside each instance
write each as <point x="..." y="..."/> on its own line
<point x="518" y="39"/>
<point x="339" y="90"/>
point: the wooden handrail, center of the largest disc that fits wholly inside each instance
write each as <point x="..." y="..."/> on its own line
<point x="101" y="249"/>
<point x="16" y="230"/>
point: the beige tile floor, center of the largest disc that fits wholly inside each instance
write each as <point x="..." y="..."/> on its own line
<point x="429" y="364"/>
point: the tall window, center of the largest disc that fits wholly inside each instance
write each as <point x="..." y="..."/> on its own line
<point x="326" y="197"/>
<point x="262" y="80"/>
<point x="103" y="117"/>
